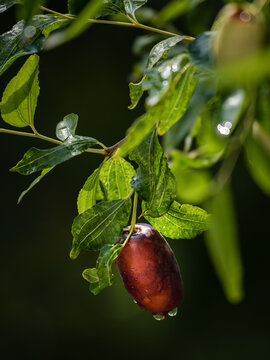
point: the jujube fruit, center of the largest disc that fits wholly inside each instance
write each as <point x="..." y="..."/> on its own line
<point x="150" y="271"/>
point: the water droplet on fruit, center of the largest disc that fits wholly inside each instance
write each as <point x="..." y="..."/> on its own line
<point x="173" y="312"/>
<point x="146" y="300"/>
<point x="134" y="301"/>
<point x="159" y="317"/>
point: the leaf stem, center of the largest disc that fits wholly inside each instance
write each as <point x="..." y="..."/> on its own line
<point x="131" y="23"/>
<point x="37" y="135"/>
<point x="133" y="219"/>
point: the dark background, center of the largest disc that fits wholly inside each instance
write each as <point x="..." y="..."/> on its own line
<point x="47" y="311"/>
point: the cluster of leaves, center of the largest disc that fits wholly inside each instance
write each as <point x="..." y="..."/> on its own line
<point x="204" y="121"/>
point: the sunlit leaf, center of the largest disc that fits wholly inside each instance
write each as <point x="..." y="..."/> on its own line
<point x="140" y="128"/>
<point x="116" y="175"/>
<point x="34" y="183"/>
<point x="102" y="276"/>
<point x="154" y="181"/>
<point x="87" y="195"/>
<point x="158" y="52"/>
<point x="67" y="126"/>
<point x="184" y="161"/>
<point x="100" y="225"/>
<point x="135" y="92"/>
<point x="37" y="160"/>
<point x="181" y="221"/>
<point x="19" y="100"/>
<point x="175" y="103"/>
<point x="223" y="246"/>
<point x="16" y="42"/>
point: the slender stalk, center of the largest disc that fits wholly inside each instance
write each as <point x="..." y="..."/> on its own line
<point x="37" y="135"/>
<point x="133" y="219"/>
<point x="132" y="23"/>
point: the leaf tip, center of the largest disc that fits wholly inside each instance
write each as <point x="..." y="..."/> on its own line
<point x="74" y="253"/>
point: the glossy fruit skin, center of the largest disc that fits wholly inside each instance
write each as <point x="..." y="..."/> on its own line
<point x="150" y="271"/>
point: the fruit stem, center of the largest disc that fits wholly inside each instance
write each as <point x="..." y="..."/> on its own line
<point x="133" y="219"/>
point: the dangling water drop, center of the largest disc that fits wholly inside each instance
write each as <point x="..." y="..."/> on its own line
<point x="159" y="317"/>
<point x="173" y="312"/>
<point x="134" y="301"/>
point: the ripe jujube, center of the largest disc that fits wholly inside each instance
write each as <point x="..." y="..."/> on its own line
<point x="150" y="271"/>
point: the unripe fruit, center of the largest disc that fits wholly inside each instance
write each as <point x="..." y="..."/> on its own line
<point x="150" y="271"/>
<point x="239" y="32"/>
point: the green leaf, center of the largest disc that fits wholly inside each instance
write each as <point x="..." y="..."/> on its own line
<point x="16" y="43"/>
<point x="111" y="7"/>
<point x="176" y="101"/>
<point x="163" y="78"/>
<point x="158" y="52"/>
<point x="135" y="92"/>
<point x="19" y="100"/>
<point x="131" y="6"/>
<point x="192" y="184"/>
<point x="140" y="128"/>
<point x="34" y="183"/>
<point x="102" y="276"/>
<point x="154" y="181"/>
<point x="182" y="160"/>
<point x="37" y="160"/>
<point x="223" y="246"/>
<point x="87" y="196"/>
<point x="6" y="4"/>
<point x="77" y="27"/>
<point x="257" y="150"/>
<point x="181" y="221"/>
<point x="116" y="175"/>
<point x="167" y="111"/>
<point x="100" y="225"/>
<point x="67" y="127"/>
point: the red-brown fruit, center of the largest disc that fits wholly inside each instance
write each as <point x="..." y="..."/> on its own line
<point x="150" y="271"/>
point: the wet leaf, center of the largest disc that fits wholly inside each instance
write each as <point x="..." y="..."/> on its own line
<point x="102" y="276"/>
<point x="16" y="43"/>
<point x="157" y="53"/>
<point x="100" y="225"/>
<point x="181" y="221"/>
<point x="37" y="160"/>
<point x="6" y="4"/>
<point x="67" y="127"/>
<point x="34" y="183"/>
<point x="131" y="6"/>
<point x="154" y="181"/>
<point x="175" y="103"/>
<point x="19" y="99"/>
<point x="223" y="246"/>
